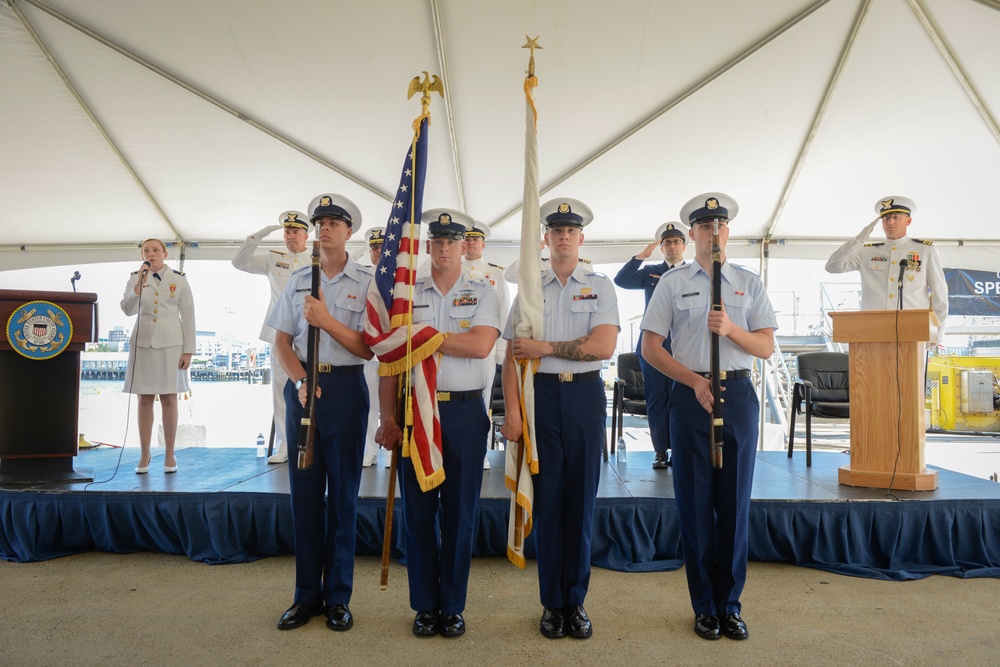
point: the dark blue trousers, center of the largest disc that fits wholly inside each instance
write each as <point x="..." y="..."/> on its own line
<point x="325" y="497"/>
<point x="713" y="506"/>
<point x="440" y="524"/>
<point x="656" y="387"/>
<point x="569" y="428"/>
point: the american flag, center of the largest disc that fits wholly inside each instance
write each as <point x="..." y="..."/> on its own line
<point x="389" y="329"/>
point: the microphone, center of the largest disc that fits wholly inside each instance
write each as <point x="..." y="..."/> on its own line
<point x="72" y="281"/>
<point x="145" y="271"/>
<point x="902" y="269"/>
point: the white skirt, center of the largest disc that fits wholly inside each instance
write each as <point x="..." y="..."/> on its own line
<point x="154" y="370"/>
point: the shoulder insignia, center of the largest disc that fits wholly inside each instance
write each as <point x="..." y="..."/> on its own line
<point x="496" y="266"/>
<point x="134" y="272"/>
<point x="584" y="261"/>
<point x="179" y="273"/>
<point x="924" y="242"/>
<point x="874" y="245"/>
<point x="279" y="252"/>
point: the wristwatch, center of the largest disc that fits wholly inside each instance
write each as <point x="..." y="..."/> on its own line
<point x="299" y="383"/>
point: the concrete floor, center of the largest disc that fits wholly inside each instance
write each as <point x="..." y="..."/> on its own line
<point x="154" y="609"/>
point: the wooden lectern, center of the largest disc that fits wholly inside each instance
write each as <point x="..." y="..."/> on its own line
<point x="40" y="387"/>
<point x="887" y="425"/>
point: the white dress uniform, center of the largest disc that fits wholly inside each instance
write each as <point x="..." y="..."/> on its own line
<point x="476" y="269"/>
<point x="165" y="331"/>
<point x="277" y="265"/>
<point x="924" y="284"/>
<point x="480" y="269"/>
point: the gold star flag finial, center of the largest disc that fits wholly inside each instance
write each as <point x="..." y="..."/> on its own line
<point x="532" y="44"/>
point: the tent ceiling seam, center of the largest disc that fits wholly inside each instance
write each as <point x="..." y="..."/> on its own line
<point x="61" y="73"/>
<point x="443" y="64"/>
<point x="845" y="55"/>
<point x="260" y="127"/>
<point x="593" y="157"/>
<point x="956" y="66"/>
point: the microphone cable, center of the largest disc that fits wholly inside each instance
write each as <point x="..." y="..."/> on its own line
<point x="899" y="392"/>
<point x="132" y="369"/>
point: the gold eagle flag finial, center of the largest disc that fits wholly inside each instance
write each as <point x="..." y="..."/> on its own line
<point x="429" y="85"/>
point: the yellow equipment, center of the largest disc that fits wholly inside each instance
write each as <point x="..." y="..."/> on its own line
<point x="963" y="394"/>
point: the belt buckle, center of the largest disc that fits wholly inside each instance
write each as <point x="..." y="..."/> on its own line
<point x="723" y="375"/>
<point x="444" y="395"/>
<point x="565" y="377"/>
<point x="324" y="368"/>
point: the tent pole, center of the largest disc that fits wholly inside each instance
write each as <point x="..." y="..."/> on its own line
<point x="956" y="67"/>
<point x="443" y="65"/>
<point x="274" y="134"/>
<point x="93" y="119"/>
<point x="831" y="87"/>
<point x="746" y="53"/>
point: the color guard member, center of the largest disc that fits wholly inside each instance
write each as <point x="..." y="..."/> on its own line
<point x="325" y="497"/>
<point x="581" y="330"/>
<point x="467" y="312"/>
<point x="713" y="506"/>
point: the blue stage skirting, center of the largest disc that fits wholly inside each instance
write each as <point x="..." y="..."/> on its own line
<point x="897" y="541"/>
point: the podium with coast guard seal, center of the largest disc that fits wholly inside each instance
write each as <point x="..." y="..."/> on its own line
<point x="887" y="357"/>
<point x="40" y="350"/>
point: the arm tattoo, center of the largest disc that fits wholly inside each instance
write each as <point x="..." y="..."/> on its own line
<point x="573" y="350"/>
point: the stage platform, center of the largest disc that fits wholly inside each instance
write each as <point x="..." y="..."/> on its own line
<point x="226" y="505"/>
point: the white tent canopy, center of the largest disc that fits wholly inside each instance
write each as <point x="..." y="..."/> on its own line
<point x="201" y="121"/>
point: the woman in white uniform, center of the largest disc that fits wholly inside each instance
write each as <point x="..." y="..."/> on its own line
<point x="163" y="342"/>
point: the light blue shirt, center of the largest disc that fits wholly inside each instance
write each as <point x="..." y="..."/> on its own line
<point x="469" y="303"/>
<point x="680" y="305"/>
<point x="344" y="295"/>
<point x="570" y="312"/>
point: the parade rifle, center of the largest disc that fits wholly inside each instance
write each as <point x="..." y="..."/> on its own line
<point x="716" y="371"/>
<point x="307" y="429"/>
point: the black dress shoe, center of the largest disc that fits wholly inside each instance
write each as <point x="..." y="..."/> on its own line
<point x="451" y="625"/>
<point x="339" y="617"/>
<point x="660" y="461"/>
<point x="553" y="624"/>
<point x="577" y="622"/>
<point x="425" y="624"/>
<point x="734" y="627"/>
<point x="298" y="615"/>
<point x="707" y="627"/>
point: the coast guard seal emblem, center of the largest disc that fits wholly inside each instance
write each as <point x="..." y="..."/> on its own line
<point x="39" y="330"/>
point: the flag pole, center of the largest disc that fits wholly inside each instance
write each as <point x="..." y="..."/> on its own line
<point x="527" y="324"/>
<point x="425" y="87"/>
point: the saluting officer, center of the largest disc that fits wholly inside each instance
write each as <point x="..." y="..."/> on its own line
<point x="476" y="267"/>
<point x="580" y="322"/>
<point x="376" y="239"/>
<point x="325" y="497"/>
<point x="467" y="311"/>
<point x="671" y="237"/>
<point x="880" y="264"/>
<point x="713" y="506"/>
<point x="277" y="265"/>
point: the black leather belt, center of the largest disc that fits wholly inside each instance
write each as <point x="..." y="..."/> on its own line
<point x="568" y="377"/>
<point x="460" y="395"/>
<point x="337" y="370"/>
<point x="741" y="374"/>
